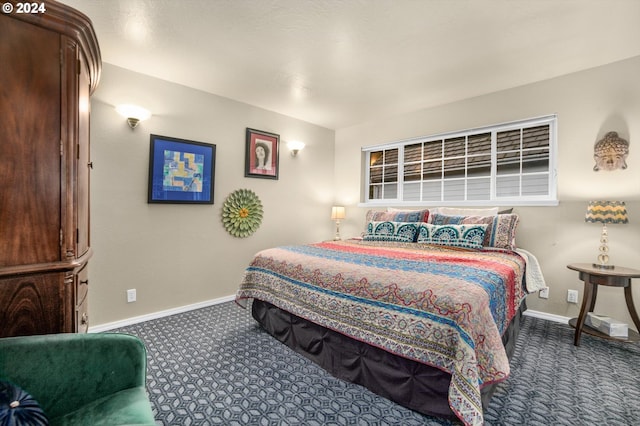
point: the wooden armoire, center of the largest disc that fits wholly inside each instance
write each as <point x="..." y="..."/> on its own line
<point x="49" y="66"/>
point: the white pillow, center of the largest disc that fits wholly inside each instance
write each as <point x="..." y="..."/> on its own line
<point x="452" y="211"/>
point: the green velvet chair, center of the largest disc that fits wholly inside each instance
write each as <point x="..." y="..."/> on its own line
<point x="81" y="379"/>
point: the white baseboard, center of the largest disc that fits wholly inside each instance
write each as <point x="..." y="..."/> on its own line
<point x="142" y="318"/>
<point x="546" y="316"/>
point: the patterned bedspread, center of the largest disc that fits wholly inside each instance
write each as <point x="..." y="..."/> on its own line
<point x="444" y="307"/>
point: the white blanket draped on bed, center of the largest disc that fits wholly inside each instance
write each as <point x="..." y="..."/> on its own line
<point x="533" y="278"/>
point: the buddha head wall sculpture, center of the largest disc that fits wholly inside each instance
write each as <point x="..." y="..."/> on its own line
<point x="611" y="153"/>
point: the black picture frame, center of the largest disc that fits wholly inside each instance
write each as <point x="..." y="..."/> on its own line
<point x="181" y="171"/>
<point x="262" y="154"/>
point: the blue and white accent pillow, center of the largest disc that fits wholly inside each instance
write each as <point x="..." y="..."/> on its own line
<point x="466" y="236"/>
<point x="404" y="232"/>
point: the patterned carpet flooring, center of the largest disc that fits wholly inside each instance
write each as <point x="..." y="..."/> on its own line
<point x="216" y="366"/>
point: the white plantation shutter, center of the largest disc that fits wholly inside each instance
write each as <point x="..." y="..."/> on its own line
<point x="511" y="163"/>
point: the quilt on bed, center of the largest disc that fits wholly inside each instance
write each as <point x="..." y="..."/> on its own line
<point x="441" y="306"/>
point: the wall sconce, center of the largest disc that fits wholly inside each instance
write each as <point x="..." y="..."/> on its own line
<point x="337" y="213"/>
<point x="133" y="113"/>
<point x="605" y="212"/>
<point x="294" y="147"/>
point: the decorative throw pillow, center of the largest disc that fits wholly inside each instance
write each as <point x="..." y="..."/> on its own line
<point x="17" y="407"/>
<point x="501" y="228"/>
<point x="466" y="236"/>
<point x="409" y="215"/>
<point x="404" y="232"/>
<point x="393" y="215"/>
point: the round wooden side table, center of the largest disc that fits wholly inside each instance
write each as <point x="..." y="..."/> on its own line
<point x="593" y="277"/>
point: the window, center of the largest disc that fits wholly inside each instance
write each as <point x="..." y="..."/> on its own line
<point x="384" y="174"/>
<point x="512" y="163"/>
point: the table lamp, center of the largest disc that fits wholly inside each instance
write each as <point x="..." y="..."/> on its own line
<point x="337" y="213"/>
<point x="605" y="212"/>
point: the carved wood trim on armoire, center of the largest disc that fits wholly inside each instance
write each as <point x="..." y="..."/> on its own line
<point x="50" y="64"/>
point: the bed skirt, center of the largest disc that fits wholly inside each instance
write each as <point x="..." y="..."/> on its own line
<point x="414" y="385"/>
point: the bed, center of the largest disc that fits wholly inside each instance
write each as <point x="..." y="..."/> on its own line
<point x="425" y="319"/>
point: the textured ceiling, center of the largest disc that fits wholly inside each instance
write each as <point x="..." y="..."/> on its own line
<point x="337" y="63"/>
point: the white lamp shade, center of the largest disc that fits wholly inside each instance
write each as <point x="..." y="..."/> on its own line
<point x="337" y="212"/>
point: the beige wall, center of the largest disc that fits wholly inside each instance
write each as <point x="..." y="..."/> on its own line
<point x="177" y="255"/>
<point x="588" y="104"/>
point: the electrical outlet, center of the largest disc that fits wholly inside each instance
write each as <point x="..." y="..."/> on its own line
<point x="572" y="296"/>
<point x="544" y="293"/>
<point x="131" y="295"/>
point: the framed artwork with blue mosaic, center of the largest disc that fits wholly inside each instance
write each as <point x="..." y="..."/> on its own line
<point x="181" y="171"/>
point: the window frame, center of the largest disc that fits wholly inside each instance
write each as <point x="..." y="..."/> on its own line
<point x="550" y="199"/>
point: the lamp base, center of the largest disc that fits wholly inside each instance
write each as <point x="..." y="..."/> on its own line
<point x="601" y="266"/>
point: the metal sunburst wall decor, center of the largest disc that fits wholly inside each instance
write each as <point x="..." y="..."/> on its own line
<point x="242" y="213"/>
